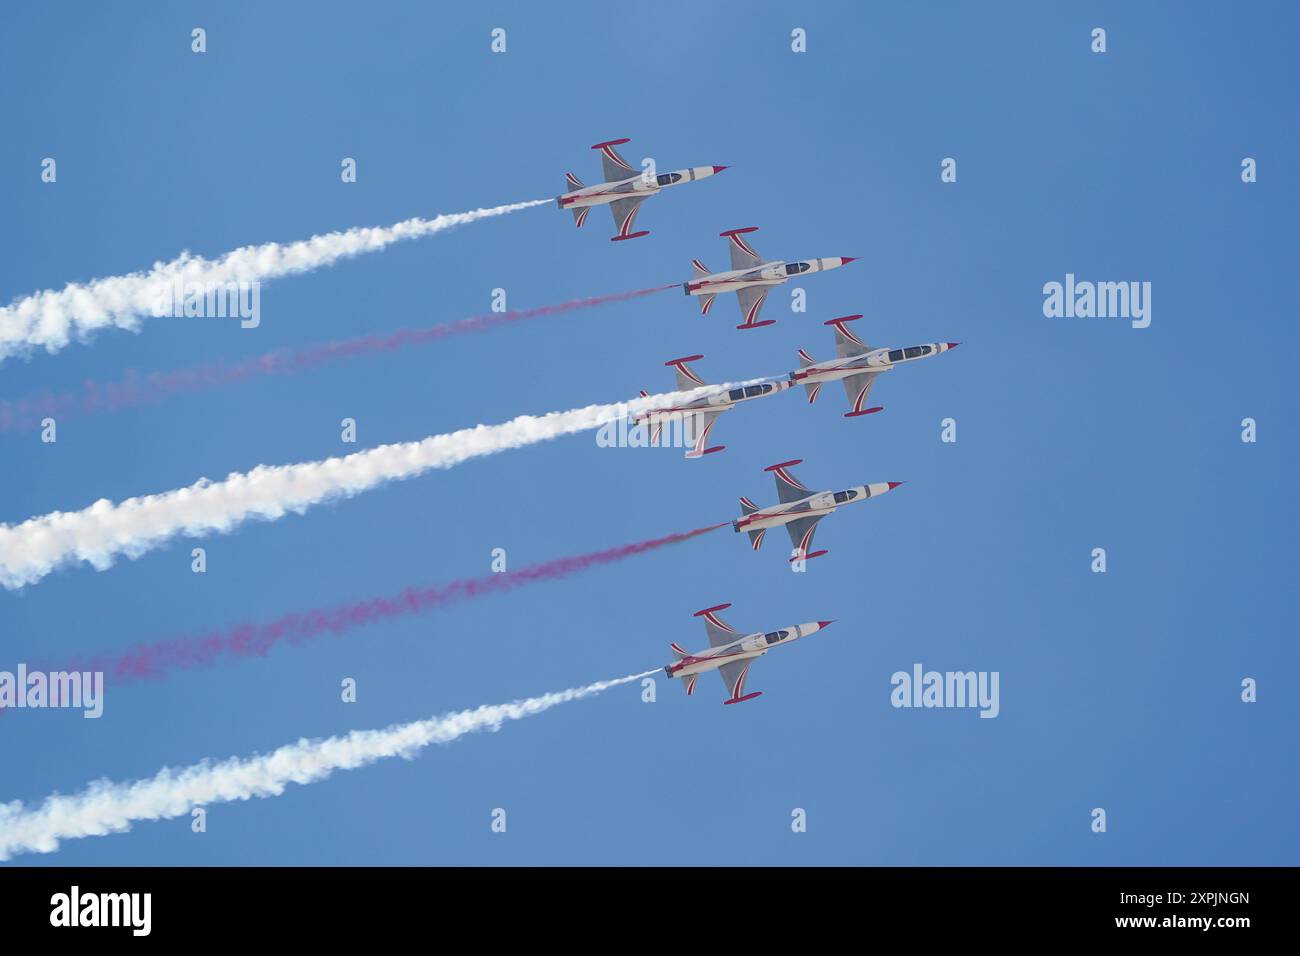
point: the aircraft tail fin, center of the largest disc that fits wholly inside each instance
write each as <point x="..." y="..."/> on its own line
<point x="678" y="651"/>
<point x="706" y="303"/>
<point x="580" y="215"/>
<point x="747" y="507"/>
<point x="700" y="268"/>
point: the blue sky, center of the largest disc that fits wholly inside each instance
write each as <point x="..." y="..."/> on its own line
<point x="1118" y="690"/>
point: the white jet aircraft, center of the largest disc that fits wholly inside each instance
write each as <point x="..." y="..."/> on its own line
<point x="799" y="509"/>
<point x="624" y="189"/>
<point x="697" y="417"/>
<point x="730" y="653"/>
<point x="857" y="364"/>
<point x="750" y="277"/>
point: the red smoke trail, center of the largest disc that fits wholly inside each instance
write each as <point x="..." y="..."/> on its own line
<point x="256" y="640"/>
<point x="135" y="389"/>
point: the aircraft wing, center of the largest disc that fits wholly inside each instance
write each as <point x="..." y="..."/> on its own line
<point x="733" y="675"/>
<point x="719" y="631"/>
<point x="698" y="426"/>
<point x="847" y="344"/>
<point x="743" y="255"/>
<point x="801" y="535"/>
<point x="857" y="387"/>
<point x="788" y="487"/>
<point x="625" y="211"/>
<point x="751" y="303"/>
<point x="615" y="166"/>
<point x="686" y="377"/>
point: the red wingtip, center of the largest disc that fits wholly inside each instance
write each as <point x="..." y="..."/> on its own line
<point x="865" y="411"/>
<point x="709" y="610"/>
<point x="611" y="142"/>
<point x="630" y="235"/>
<point x="757" y="325"/>
<point x="784" y="464"/>
<point x="843" y="318"/>
<point x="718" y="169"/>
<point x="689" y="358"/>
<point x="809" y="557"/>
<point x="737" y="700"/>
<point x="736" y="232"/>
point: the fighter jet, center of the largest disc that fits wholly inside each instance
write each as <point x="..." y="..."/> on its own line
<point x="730" y="653"/>
<point x="750" y="277"/>
<point x="857" y="364"/>
<point x="623" y="190"/>
<point x="698" y="416"/>
<point x="799" y="509"/>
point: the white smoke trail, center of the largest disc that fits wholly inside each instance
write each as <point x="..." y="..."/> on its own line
<point x="106" y="807"/>
<point x="50" y="319"/>
<point x="106" y="530"/>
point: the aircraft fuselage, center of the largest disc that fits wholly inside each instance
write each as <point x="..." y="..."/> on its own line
<point x="743" y="648"/>
<point x="877" y="360"/>
<point x="765" y="274"/>
<point x="641" y="184"/>
<point x="819" y="503"/>
<point x="723" y="401"/>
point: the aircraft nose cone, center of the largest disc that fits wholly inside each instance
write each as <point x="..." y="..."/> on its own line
<point x="895" y="484"/>
<point x="718" y="169"/>
<point x="953" y="345"/>
<point x="845" y="260"/>
<point x="825" y="623"/>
